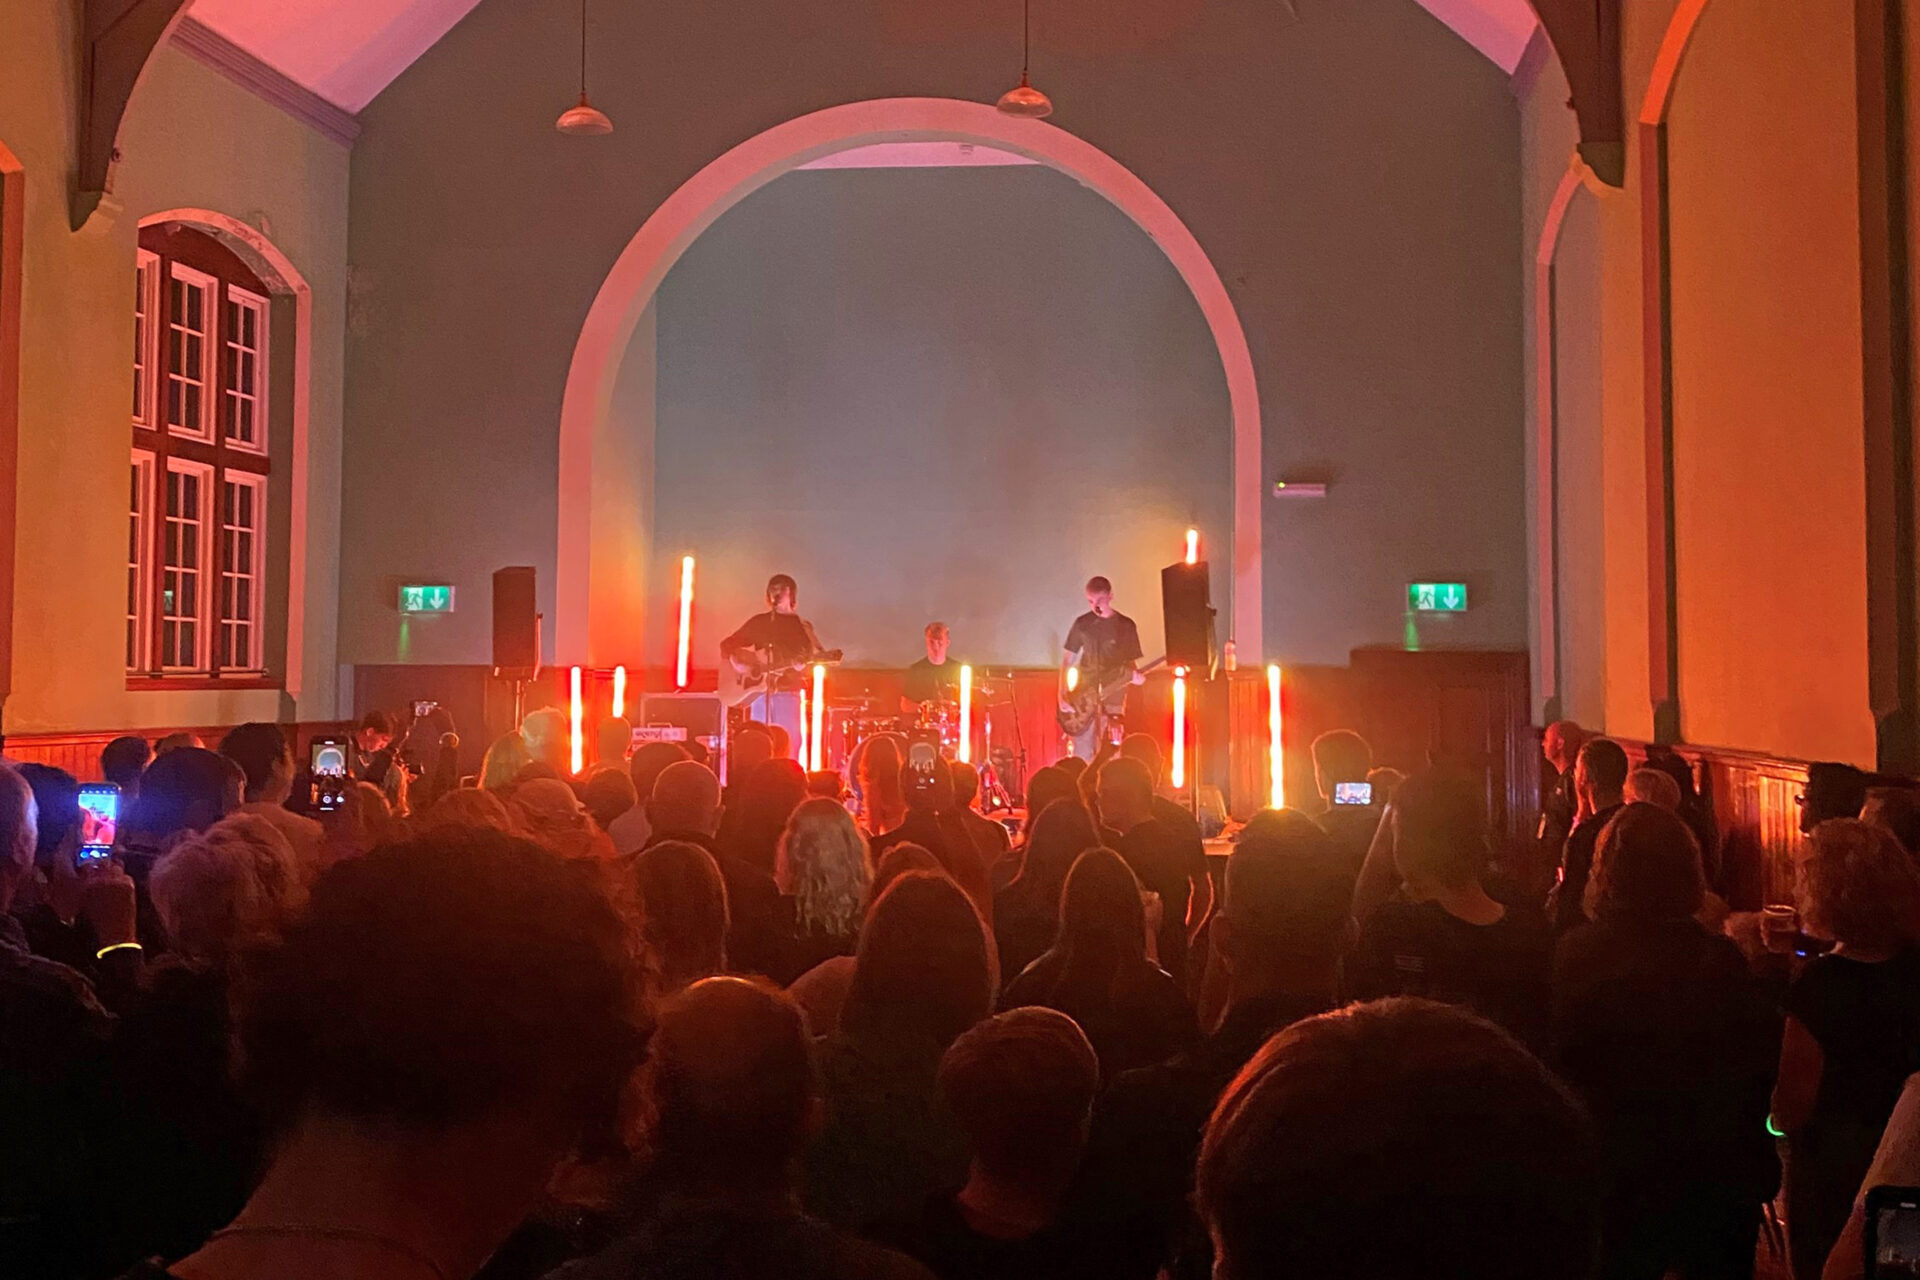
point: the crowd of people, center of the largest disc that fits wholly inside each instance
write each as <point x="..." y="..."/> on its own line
<point x="638" y="1023"/>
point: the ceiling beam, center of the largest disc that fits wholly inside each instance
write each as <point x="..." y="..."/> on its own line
<point x="119" y="37"/>
<point x="1586" y="37"/>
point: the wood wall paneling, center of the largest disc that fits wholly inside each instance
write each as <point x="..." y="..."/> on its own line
<point x="79" y="753"/>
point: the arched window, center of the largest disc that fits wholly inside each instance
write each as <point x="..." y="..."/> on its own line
<point x="197" y="527"/>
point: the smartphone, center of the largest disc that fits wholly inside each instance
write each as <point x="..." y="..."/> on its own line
<point x="1893" y="1233"/>
<point x="99" y="820"/>
<point x="328" y="765"/>
<point x="421" y="710"/>
<point x="1353" y="793"/>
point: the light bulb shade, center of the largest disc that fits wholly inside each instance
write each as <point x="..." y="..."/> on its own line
<point x="584" y="120"/>
<point x="1025" y="100"/>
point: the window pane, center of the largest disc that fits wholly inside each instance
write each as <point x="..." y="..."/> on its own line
<point x="187" y="362"/>
<point x="181" y="593"/>
<point x="140" y="277"/>
<point x="240" y="584"/>
<point x="243" y="387"/>
<point x="137" y="581"/>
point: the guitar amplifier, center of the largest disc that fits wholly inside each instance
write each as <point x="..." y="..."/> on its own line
<point x="701" y="716"/>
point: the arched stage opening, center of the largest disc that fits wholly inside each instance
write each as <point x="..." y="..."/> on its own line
<point x="600" y="602"/>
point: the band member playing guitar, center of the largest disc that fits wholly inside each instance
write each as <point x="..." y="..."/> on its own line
<point x="771" y="651"/>
<point x="1104" y="646"/>
<point x="932" y="678"/>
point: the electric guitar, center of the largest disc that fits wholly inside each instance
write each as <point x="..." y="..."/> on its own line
<point x="1083" y="704"/>
<point x="743" y="681"/>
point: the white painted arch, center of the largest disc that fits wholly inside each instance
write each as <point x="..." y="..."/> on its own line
<point x="629" y="287"/>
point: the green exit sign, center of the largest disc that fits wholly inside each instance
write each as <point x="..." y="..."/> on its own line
<point x="426" y="598"/>
<point x="1437" y="597"/>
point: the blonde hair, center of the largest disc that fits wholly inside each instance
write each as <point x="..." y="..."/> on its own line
<point x="503" y="762"/>
<point x="1857" y="886"/>
<point x="549" y="814"/>
<point x="824" y="864"/>
<point x="1651" y="786"/>
<point x="234" y="884"/>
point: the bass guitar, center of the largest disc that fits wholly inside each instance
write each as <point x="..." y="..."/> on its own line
<point x="1079" y="708"/>
<point x="743" y="681"/>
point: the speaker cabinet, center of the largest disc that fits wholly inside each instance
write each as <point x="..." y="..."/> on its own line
<point x="516" y="620"/>
<point x="1187" y="608"/>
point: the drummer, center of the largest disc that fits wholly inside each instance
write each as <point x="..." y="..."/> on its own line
<point x="932" y="679"/>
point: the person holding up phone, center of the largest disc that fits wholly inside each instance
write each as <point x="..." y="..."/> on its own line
<point x="933" y="822"/>
<point x="1342" y="759"/>
<point x="80" y="900"/>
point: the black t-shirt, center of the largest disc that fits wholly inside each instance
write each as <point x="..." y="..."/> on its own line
<point x="1351" y="827"/>
<point x="1568" y="909"/>
<point x="1499" y="970"/>
<point x="1104" y="645"/>
<point x="785" y="634"/>
<point x="926" y="682"/>
<point x="1674" y="1045"/>
<point x="693" y="1241"/>
<point x="1167" y="865"/>
<point x="1135" y="1015"/>
<point x="943" y="1239"/>
<point x="1866" y="1019"/>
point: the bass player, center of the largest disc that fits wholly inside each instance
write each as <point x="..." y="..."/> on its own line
<point x="1104" y="646"/>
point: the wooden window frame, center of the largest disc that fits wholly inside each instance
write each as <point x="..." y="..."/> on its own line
<point x="210" y="452"/>
<point x="212" y="358"/>
<point x="245" y="300"/>
<point x="204" y="570"/>
<point x="140" y="562"/>
<point x="145" y="340"/>
<point x="255" y="572"/>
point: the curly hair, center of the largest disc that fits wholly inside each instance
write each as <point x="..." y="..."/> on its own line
<point x="825" y="867"/>
<point x="1857" y="886"/>
<point x="229" y="887"/>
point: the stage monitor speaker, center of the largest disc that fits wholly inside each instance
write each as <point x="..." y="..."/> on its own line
<point x="1186" y="606"/>
<point x="516" y="620"/>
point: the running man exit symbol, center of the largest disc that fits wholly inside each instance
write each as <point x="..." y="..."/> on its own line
<point x="1437" y="597"/>
<point x="426" y="598"/>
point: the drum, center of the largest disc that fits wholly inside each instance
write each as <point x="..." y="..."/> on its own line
<point x="940" y="720"/>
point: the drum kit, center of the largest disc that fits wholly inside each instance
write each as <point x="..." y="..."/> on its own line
<point x="860" y="719"/>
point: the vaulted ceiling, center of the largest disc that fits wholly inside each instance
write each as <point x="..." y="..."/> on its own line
<point x="347" y="51"/>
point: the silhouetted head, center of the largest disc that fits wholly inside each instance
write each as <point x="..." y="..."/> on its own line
<point x="1402" y="1140"/>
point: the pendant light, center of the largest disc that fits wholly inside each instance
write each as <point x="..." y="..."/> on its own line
<point x="584" y="120"/>
<point x="1023" y="99"/>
